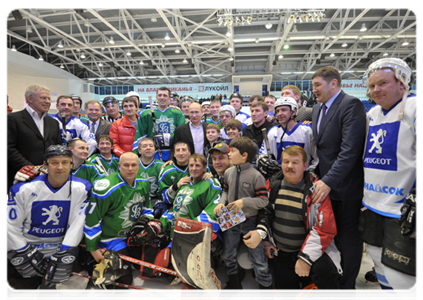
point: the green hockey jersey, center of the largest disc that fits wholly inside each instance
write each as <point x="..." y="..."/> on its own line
<point x="113" y="207"/>
<point x="166" y="122"/>
<point x="151" y="173"/>
<point x="211" y="121"/>
<point x="168" y="176"/>
<point x="88" y="171"/>
<point x="195" y="201"/>
<point x="110" y="165"/>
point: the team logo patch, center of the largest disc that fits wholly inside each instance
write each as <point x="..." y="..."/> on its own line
<point x="49" y="218"/>
<point x="101" y="185"/>
<point x="381" y="147"/>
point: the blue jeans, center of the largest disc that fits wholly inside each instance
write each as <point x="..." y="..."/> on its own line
<point x="231" y="239"/>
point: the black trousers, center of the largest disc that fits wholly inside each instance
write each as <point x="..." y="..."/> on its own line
<point x="347" y="240"/>
<point x="323" y="273"/>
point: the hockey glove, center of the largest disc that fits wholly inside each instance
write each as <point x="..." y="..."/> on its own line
<point x="267" y="166"/>
<point x="162" y="140"/>
<point x="26" y="173"/>
<point x="408" y="215"/>
<point x="160" y="208"/>
<point x="108" y="269"/>
<point x="60" y="266"/>
<point x="143" y="231"/>
<point x="29" y="262"/>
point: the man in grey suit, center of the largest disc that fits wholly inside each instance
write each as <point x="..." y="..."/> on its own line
<point x="30" y="132"/>
<point x="339" y="130"/>
<point x="95" y="123"/>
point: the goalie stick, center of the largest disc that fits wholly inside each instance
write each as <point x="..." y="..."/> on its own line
<point x="127" y="286"/>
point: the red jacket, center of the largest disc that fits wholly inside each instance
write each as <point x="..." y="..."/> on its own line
<point x="123" y="134"/>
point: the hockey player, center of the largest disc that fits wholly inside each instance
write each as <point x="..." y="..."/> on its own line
<point x="174" y="99"/>
<point x="215" y="106"/>
<point x="227" y="113"/>
<point x="117" y="202"/>
<point x="162" y="127"/>
<point x="45" y="223"/>
<point x="105" y="160"/>
<point x="77" y="101"/>
<point x="236" y="101"/>
<point x="111" y="106"/>
<point x="80" y="167"/>
<point x="290" y="132"/>
<point x="70" y="126"/>
<point x="150" y="167"/>
<point x="184" y="103"/>
<point x="390" y="175"/>
<point x="136" y="96"/>
<point x="303" y="113"/>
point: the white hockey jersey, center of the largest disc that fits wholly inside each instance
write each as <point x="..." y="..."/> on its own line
<point x="75" y="128"/>
<point x="390" y="158"/>
<point x="243" y="117"/>
<point x="301" y="135"/>
<point x="47" y="218"/>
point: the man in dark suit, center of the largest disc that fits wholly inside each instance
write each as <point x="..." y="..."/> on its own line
<point x="339" y="130"/>
<point x="95" y="123"/>
<point x="30" y="132"/>
<point x="194" y="132"/>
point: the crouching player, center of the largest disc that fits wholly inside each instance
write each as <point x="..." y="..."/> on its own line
<point x="117" y="202"/>
<point x="44" y="225"/>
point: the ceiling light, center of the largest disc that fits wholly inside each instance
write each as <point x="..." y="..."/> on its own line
<point x="167" y="37"/>
<point x="100" y="64"/>
<point x="111" y="41"/>
<point x="220" y="21"/>
<point x="385" y="54"/>
<point x="286" y="46"/>
<point x="237" y="21"/>
<point x="62" y="66"/>
<point x="82" y="55"/>
<point x="363" y="28"/>
<point x="243" y="20"/>
<point x="249" y="19"/>
<point x="163" y="45"/>
<point x="230" y="48"/>
<point x="228" y="33"/>
<point x="141" y="62"/>
<point x="257" y="40"/>
<point x="185" y="61"/>
<point x="29" y="29"/>
<point x="41" y="58"/>
<point x="268" y="24"/>
<point x="405" y="43"/>
<point x="87" y="23"/>
<point x="344" y="45"/>
<point x="294" y="29"/>
<point x="177" y="50"/>
<point x="280" y="56"/>
<point x="153" y="18"/>
<point x="231" y="58"/>
<point x="332" y="54"/>
<point x="128" y="53"/>
<point x="60" y="45"/>
<point x="14" y="48"/>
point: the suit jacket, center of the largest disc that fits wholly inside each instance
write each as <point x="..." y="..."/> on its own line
<point x="25" y="144"/>
<point x="103" y="128"/>
<point x="183" y="134"/>
<point x="340" y="145"/>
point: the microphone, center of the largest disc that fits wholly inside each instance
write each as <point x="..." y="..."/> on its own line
<point x="63" y="115"/>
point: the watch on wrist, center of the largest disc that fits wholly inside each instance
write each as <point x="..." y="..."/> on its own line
<point x="262" y="234"/>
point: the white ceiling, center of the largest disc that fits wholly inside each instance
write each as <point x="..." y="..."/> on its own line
<point x="204" y="43"/>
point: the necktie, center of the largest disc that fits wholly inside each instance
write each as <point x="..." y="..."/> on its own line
<point x="93" y="127"/>
<point x="324" y="108"/>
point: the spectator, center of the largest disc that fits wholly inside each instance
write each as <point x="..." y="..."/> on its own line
<point x="192" y="133"/>
<point x="339" y="129"/>
<point x="111" y="105"/>
<point x="96" y="125"/>
<point x="161" y="128"/>
<point x="123" y="131"/>
<point x="30" y="132"/>
<point x="72" y="127"/>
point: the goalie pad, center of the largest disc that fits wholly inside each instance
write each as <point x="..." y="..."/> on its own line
<point x="191" y="253"/>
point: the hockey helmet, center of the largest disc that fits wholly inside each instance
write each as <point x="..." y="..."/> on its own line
<point x="133" y="94"/>
<point x="228" y="108"/>
<point x="400" y="68"/>
<point x="75" y="97"/>
<point x="57" y="150"/>
<point x="235" y="95"/>
<point x="287" y="101"/>
<point x="174" y="95"/>
<point x="109" y="99"/>
<point x="186" y="99"/>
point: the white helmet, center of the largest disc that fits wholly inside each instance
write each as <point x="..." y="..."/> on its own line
<point x="132" y="93"/>
<point x="228" y="108"/>
<point x="287" y="101"/>
<point x="401" y="70"/>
